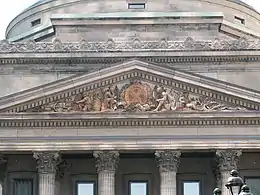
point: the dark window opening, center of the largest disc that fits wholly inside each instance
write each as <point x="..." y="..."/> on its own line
<point x="240" y="20"/>
<point x="138" y="187"/>
<point x="85" y="188"/>
<point x="136" y="5"/>
<point x="23" y="187"/>
<point x="36" y="22"/>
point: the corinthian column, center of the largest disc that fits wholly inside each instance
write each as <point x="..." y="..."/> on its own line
<point x="47" y="166"/>
<point x="168" y="163"/>
<point x="227" y="160"/>
<point x="106" y="164"/>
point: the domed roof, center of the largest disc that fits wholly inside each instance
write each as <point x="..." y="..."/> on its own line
<point x="39" y="2"/>
<point x="240" y="2"/>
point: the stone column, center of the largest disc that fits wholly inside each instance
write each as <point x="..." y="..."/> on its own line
<point x="106" y="164"/>
<point x="227" y="160"/>
<point x="168" y="163"/>
<point x="47" y="166"/>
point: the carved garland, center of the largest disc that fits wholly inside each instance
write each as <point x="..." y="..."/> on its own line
<point x="135" y="75"/>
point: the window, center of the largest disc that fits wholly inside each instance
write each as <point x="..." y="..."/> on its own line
<point x="136" y="5"/>
<point x="240" y="20"/>
<point x="138" y="187"/>
<point x="36" y="22"/>
<point x="191" y="188"/>
<point x="85" y="188"/>
<point x="253" y="184"/>
<point x="23" y="187"/>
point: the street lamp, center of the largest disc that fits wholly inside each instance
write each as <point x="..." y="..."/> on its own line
<point x="235" y="183"/>
<point x="245" y="190"/>
<point x="217" y="191"/>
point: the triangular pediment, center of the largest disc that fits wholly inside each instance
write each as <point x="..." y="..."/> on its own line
<point x="133" y="86"/>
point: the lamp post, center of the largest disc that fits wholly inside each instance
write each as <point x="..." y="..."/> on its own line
<point x="245" y="190"/>
<point x="235" y="183"/>
<point x="217" y="191"/>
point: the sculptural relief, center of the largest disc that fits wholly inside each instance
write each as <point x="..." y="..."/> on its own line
<point x="132" y="45"/>
<point x="136" y="96"/>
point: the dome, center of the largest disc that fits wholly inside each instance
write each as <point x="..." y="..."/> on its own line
<point x="40" y="19"/>
<point x="40" y="2"/>
<point x="238" y="2"/>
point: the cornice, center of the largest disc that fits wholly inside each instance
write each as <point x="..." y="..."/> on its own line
<point x="119" y="120"/>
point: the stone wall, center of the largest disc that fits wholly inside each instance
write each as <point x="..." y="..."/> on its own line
<point x="13" y="83"/>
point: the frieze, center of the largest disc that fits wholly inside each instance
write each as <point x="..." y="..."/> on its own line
<point x="131" y="46"/>
<point x="136" y="96"/>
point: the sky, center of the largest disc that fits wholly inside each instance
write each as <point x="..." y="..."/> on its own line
<point x="11" y="8"/>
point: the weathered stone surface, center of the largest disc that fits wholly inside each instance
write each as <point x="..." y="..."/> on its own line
<point x="168" y="160"/>
<point x="47" y="162"/>
<point x="135" y="45"/>
<point x="110" y="89"/>
<point x="228" y="159"/>
<point x="106" y="161"/>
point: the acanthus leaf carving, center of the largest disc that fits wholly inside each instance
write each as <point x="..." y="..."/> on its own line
<point x="106" y="160"/>
<point x="168" y="160"/>
<point x="228" y="159"/>
<point x="47" y="162"/>
<point x="135" y="96"/>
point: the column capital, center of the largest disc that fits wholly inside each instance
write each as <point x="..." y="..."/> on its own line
<point x="228" y="159"/>
<point x="106" y="160"/>
<point x="47" y="162"/>
<point x="168" y="160"/>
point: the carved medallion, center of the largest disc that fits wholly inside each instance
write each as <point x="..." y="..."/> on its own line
<point x="137" y="94"/>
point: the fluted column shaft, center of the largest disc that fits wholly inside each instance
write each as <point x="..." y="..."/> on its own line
<point x="227" y="160"/>
<point x="47" y="166"/>
<point x="106" y="164"/>
<point x="168" y="163"/>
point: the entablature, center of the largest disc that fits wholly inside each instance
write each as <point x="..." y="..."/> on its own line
<point x="128" y="120"/>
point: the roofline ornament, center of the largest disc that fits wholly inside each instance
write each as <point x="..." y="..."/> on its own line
<point x="129" y="46"/>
